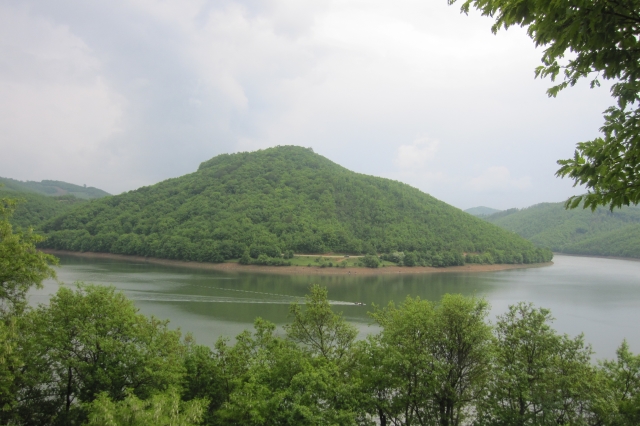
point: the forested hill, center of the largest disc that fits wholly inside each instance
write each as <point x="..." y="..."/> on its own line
<point x="280" y="199"/>
<point x="52" y="188"/>
<point x="577" y="231"/>
<point x="41" y="201"/>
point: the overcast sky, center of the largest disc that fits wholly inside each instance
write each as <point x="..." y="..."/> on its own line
<point x="119" y="94"/>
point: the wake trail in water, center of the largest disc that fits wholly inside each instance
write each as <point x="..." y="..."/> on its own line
<point x="290" y="298"/>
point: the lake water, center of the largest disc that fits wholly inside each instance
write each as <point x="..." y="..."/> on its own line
<point x="595" y="296"/>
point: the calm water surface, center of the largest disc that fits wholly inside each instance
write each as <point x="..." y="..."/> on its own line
<point x="594" y="296"/>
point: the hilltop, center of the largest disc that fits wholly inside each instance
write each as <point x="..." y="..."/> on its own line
<point x="577" y="231"/>
<point x="283" y="199"/>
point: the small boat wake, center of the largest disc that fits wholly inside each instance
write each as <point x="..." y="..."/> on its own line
<point x="273" y="298"/>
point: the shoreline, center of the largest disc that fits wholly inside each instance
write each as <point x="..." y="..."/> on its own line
<point x="299" y="270"/>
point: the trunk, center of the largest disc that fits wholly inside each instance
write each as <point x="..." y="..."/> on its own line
<point x="69" y="379"/>
<point x="383" y="418"/>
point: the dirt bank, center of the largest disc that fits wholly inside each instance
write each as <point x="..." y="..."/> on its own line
<point x="298" y="270"/>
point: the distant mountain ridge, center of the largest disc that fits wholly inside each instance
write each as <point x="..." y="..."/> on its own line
<point x="481" y="211"/>
<point x="282" y="199"/>
<point x="578" y="231"/>
<point x="41" y="201"/>
<point x="53" y="188"/>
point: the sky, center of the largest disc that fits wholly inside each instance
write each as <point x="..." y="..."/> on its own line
<point x="120" y="94"/>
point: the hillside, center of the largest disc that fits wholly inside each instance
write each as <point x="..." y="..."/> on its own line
<point x="53" y="188"/>
<point x="281" y="199"/>
<point x="576" y="231"/>
<point x="34" y="209"/>
<point x="481" y="211"/>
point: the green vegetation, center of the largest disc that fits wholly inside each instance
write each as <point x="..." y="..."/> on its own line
<point x="34" y="209"/>
<point x="579" y="231"/>
<point x="281" y="200"/>
<point x="595" y="39"/>
<point x="53" y="188"/>
<point x="88" y="357"/>
<point x="41" y="201"/>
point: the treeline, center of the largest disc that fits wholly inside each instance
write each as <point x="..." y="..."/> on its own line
<point x="273" y="201"/>
<point x="454" y="258"/>
<point x="88" y="357"/>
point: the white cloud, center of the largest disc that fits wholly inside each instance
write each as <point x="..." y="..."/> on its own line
<point x="499" y="178"/>
<point x="417" y="154"/>
<point x="182" y="80"/>
<point x="57" y="110"/>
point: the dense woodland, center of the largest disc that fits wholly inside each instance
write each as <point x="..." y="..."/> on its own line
<point x="577" y="231"/>
<point x="35" y="209"/>
<point x="88" y="357"/>
<point x="277" y="200"/>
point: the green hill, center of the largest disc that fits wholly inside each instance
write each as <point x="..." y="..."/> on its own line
<point x="41" y="201"/>
<point x="282" y="199"/>
<point x="53" y="188"/>
<point x="34" y="209"/>
<point x="481" y="211"/>
<point x="576" y="231"/>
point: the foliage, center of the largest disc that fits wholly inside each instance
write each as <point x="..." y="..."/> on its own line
<point x="32" y="209"/>
<point x="370" y="261"/>
<point x="623" y="376"/>
<point x="85" y="342"/>
<point x="579" y="231"/>
<point x="270" y="202"/>
<point x="539" y="377"/>
<point x="430" y="363"/>
<point x="164" y="409"/>
<point x="21" y="265"/>
<point x="319" y="328"/>
<point x="588" y="39"/>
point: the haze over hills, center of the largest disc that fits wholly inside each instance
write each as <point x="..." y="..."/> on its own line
<point x="481" y="211"/>
<point x="53" y="188"/>
<point x="283" y="198"/>
<point x="577" y="231"/>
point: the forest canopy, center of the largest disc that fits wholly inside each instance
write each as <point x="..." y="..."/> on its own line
<point x="277" y="200"/>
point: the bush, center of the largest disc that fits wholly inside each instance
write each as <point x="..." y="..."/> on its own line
<point x="371" y="261"/>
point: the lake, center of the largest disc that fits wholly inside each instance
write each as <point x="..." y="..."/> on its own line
<point x="595" y="296"/>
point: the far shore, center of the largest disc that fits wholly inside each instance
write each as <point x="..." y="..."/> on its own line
<point x="299" y="270"/>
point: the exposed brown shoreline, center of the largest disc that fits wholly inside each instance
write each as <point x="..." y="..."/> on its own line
<point x="298" y="270"/>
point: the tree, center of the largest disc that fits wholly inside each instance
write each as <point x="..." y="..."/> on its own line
<point x="370" y="261"/>
<point x="430" y="362"/>
<point x="284" y="384"/>
<point x="623" y="376"/>
<point x="86" y="342"/>
<point x="22" y="266"/>
<point x="538" y="377"/>
<point x="596" y="39"/>
<point x="319" y="328"/>
<point x="163" y="409"/>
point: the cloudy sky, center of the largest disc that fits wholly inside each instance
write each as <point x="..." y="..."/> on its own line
<point x="123" y="93"/>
